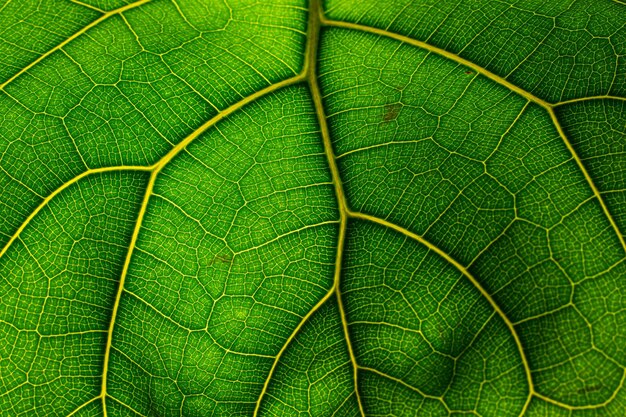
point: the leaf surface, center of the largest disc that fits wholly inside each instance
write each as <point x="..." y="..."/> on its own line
<point x="340" y="209"/>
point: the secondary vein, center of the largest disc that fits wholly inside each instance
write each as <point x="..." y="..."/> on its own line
<point x="96" y="22"/>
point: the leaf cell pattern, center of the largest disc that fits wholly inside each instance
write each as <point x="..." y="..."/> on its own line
<point x="339" y="208"/>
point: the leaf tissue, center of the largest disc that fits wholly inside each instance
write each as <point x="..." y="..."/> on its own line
<point x="322" y="208"/>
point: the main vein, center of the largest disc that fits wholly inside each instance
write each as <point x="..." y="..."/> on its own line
<point x="310" y="76"/>
<point x="316" y="13"/>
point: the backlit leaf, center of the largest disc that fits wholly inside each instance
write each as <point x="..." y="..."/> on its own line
<point x="338" y="208"/>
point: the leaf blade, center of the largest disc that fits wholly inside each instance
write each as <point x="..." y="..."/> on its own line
<point x="255" y="167"/>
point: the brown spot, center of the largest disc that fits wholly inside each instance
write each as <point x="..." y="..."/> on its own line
<point x="591" y="388"/>
<point x="225" y="259"/>
<point x="469" y="72"/>
<point x="391" y="111"/>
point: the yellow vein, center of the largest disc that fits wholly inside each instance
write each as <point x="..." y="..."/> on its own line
<point x="582" y="168"/>
<point x="456" y="58"/>
<point x="56" y="192"/>
<point x="328" y="147"/>
<point x="309" y="74"/>
<point x="342" y="310"/>
<point x="120" y="288"/>
<point x="74" y="36"/>
<point x="284" y="235"/>
<point x="315" y="16"/>
<point x="469" y="276"/>
<point x="384" y="144"/>
<point x="6" y="3"/>
<point x="284" y="348"/>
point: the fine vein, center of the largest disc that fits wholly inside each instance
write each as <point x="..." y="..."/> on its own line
<point x="96" y="22"/>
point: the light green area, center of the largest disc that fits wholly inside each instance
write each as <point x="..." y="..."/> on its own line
<point x="399" y="208"/>
<point x="130" y="88"/>
<point x="236" y="247"/>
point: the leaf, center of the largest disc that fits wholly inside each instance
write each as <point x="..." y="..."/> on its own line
<point x="225" y="207"/>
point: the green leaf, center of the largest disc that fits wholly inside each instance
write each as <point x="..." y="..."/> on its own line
<point x="373" y="208"/>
